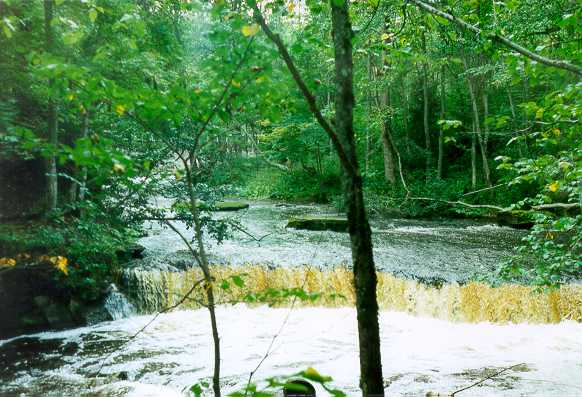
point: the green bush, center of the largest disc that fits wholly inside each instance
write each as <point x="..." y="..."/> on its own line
<point x="90" y="245"/>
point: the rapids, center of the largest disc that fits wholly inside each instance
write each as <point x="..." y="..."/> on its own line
<point x="440" y="330"/>
<point x="429" y="251"/>
<point x="419" y="354"/>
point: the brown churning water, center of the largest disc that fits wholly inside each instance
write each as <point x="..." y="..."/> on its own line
<point x="472" y="302"/>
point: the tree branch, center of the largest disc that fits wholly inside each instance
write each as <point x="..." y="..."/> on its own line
<point x="555" y="63"/>
<point x="222" y="95"/>
<point x="492" y="207"/>
<point x="167" y="309"/>
<point x="487" y="378"/>
<point x="565" y="206"/>
<point x="311" y="102"/>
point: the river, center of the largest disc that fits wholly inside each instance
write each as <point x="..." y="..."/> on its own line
<point x="421" y="353"/>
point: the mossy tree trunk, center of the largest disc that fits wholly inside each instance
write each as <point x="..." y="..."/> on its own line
<point x="342" y="139"/>
<point x="371" y="381"/>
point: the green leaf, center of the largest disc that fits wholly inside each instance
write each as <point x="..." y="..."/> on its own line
<point x="238" y="281"/>
<point x="196" y="389"/>
<point x="93" y="15"/>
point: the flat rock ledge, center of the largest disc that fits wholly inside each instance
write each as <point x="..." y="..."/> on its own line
<point x="317" y="223"/>
<point x="224" y="206"/>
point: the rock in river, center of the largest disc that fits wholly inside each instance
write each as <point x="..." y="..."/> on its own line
<point x="335" y="224"/>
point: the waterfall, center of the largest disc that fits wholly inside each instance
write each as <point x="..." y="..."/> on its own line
<point x="117" y="304"/>
<point x="472" y="302"/>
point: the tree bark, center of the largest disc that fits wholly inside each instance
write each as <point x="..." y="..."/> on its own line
<point x="473" y="157"/>
<point x="425" y="111"/>
<point x="52" y="117"/>
<point x="477" y="130"/>
<point x="441" y="130"/>
<point x="385" y="135"/>
<point x="202" y="260"/>
<point x="369" y="100"/>
<point x="371" y="381"/>
<point x="342" y="137"/>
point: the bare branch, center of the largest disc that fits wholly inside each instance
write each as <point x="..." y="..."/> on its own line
<point x="185" y="240"/>
<point x="492" y="207"/>
<point x="497" y="208"/>
<point x="484" y="189"/>
<point x="487" y="378"/>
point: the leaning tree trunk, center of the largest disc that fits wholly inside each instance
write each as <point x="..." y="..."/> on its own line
<point x="52" y="117"/>
<point x="371" y="381"/>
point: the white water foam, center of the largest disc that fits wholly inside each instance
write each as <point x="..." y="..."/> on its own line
<point x="419" y="354"/>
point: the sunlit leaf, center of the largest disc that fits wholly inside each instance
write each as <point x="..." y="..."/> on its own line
<point x="250" y="30"/>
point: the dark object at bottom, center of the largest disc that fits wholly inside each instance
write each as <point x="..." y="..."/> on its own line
<point x="299" y="388"/>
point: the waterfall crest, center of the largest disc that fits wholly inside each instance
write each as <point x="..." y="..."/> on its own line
<point x="152" y="291"/>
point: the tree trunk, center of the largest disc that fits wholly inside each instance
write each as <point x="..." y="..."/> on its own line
<point x="441" y="130"/>
<point x="208" y="280"/>
<point x="473" y="157"/>
<point x="389" y="174"/>
<point x="52" y="119"/>
<point x="477" y="130"/>
<point x="404" y="102"/>
<point x="84" y="134"/>
<point x="485" y="101"/>
<point x="342" y="137"/>
<point x="425" y="111"/>
<point x="514" y="121"/>
<point x="369" y="100"/>
<point x="371" y="381"/>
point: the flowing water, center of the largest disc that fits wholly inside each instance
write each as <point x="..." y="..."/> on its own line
<point x="420" y="354"/>
<point x="439" y="330"/>
<point x="431" y="251"/>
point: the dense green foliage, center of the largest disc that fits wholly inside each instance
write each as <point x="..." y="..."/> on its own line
<point x="442" y="115"/>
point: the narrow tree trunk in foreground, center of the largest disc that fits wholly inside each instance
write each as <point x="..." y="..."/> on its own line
<point x="208" y="281"/>
<point x="371" y="381"/>
<point x="342" y="137"/>
<point x="52" y="119"/>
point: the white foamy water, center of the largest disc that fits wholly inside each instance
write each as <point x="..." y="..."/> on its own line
<point x="419" y="354"/>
